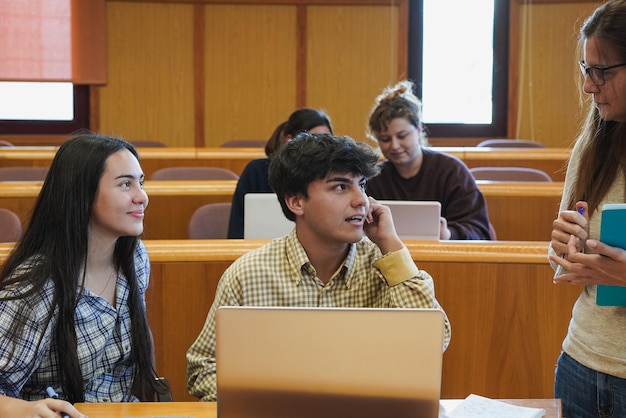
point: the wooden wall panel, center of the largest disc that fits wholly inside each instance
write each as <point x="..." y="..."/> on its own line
<point x="352" y="55"/>
<point x="251" y="73"/>
<point x="549" y="89"/>
<point x="149" y="94"/>
<point x="176" y="316"/>
<point x="351" y="50"/>
<point x="519" y="324"/>
<point x="250" y="70"/>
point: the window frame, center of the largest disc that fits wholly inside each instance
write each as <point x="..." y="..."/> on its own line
<point x="499" y="125"/>
<point x="49" y="127"/>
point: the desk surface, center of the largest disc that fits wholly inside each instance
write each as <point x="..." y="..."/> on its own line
<point x="209" y="409"/>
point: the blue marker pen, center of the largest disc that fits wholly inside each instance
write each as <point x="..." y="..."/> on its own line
<point x="559" y="268"/>
<point x="52" y="394"/>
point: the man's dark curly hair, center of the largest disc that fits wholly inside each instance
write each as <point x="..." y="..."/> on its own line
<point x="309" y="157"/>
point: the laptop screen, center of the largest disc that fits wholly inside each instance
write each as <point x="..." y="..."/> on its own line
<point x="263" y="217"/>
<point x="330" y="362"/>
<point x="415" y="220"/>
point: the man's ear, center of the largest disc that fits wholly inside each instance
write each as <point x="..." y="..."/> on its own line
<point x="294" y="203"/>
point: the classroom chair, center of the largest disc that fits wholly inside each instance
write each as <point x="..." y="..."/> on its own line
<point x="210" y="221"/>
<point x="146" y="143"/>
<point x="23" y="173"/>
<point x="194" y="173"/>
<point x="492" y="232"/>
<point x="509" y="174"/>
<point x="244" y="143"/>
<point x="10" y="226"/>
<point x="510" y="143"/>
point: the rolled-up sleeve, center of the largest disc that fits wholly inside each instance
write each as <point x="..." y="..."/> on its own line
<point x="410" y="287"/>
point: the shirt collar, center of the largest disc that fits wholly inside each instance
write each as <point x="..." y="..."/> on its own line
<point x="298" y="260"/>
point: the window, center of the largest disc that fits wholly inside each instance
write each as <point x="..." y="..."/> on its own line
<point x="43" y="108"/>
<point x="458" y="56"/>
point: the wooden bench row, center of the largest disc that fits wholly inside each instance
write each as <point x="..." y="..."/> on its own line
<point x="508" y="318"/>
<point x="550" y="160"/>
<point x="518" y="211"/>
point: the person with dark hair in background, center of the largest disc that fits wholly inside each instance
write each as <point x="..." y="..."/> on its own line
<point x="72" y="308"/>
<point x="590" y="376"/>
<point x="343" y="251"/>
<point x="254" y="178"/>
<point x="412" y="171"/>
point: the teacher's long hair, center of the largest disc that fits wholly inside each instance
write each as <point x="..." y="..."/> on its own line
<point x="603" y="142"/>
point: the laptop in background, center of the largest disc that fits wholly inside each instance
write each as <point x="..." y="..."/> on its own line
<point x="263" y="217"/>
<point x="328" y="362"/>
<point x="415" y="220"/>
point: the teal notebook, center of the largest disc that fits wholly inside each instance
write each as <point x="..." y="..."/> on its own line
<point x="612" y="232"/>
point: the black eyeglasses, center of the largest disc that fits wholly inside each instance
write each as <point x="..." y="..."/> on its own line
<point x="595" y="72"/>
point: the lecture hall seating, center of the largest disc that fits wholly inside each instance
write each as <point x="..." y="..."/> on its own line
<point x="508" y="318"/>
<point x="550" y="160"/>
<point x="518" y="211"/>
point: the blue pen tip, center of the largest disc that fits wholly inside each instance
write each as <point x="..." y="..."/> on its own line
<point x="51" y="392"/>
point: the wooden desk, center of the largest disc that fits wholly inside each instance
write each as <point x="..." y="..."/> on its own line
<point x="499" y="298"/>
<point x="173" y="202"/>
<point x="522" y="211"/>
<point x="167" y="216"/>
<point x="209" y="409"/>
<point x="234" y="159"/>
<point x="518" y="211"/>
<point x="27" y="156"/>
<point x="149" y="409"/>
<point x="550" y="160"/>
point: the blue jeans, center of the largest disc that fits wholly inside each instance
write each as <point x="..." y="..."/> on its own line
<point x="586" y="393"/>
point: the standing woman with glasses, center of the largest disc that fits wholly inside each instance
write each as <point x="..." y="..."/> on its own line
<point x="591" y="371"/>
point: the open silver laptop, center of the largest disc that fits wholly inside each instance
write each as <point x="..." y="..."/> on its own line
<point x="415" y="220"/>
<point x="328" y="362"/>
<point x="263" y="217"/>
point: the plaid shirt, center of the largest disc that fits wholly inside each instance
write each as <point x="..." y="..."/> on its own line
<point x="103" y="336"/>
<point x="280" y="274"/>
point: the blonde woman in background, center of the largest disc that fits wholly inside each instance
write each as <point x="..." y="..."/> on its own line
<point x="412" y="171"/>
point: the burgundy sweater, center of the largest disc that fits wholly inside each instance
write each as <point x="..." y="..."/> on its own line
<point x="443" y="178"/>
